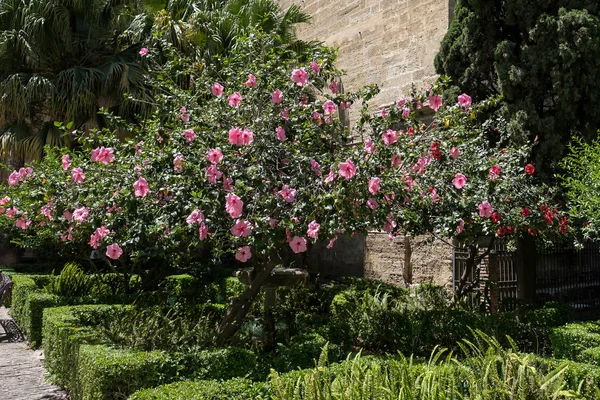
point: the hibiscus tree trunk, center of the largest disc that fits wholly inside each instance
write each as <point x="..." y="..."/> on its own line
<point x="240" y="306"/>
<point x="473" y="263"/>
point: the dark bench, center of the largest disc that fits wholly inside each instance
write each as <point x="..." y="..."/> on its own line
<point x="11" y="330"/>
<point x="6" y="285"/>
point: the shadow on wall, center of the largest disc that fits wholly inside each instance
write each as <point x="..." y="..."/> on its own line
<point x="8" y="255"/>
<point x="398" y="262"/>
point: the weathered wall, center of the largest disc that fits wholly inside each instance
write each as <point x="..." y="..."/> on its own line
<point x="385" y="261"/>
<point x="388" y="42"/>
<point x="376" y="257"/>
<point x="391" y="43"/>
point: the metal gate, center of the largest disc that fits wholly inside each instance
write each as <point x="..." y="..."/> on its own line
<point x="562" y="273"/>
<point x="500" y="261"/>
<point x="572" y="276"/>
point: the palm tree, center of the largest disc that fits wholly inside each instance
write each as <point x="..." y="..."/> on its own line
<point x="60" y="60"/>
<point x="206" y="28"/>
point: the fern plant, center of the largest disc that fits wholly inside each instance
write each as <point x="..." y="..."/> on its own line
<point x="72" y="282"/>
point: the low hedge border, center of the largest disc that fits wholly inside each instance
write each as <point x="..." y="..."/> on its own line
<point x="81" y="359"/>
<point x="63" y="335"/>
<point x="571" y="340"/>
<point x="234" y="389"/>
<point x="29" y="300"/>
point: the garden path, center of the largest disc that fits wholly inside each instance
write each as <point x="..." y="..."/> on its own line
<point x="21" y="370"/>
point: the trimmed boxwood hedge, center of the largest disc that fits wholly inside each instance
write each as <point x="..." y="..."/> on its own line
<point x="28" y="304"/>
<point x="81" y="359"/>
<point x="29" y="300"/>
<point x="234" y="389"/>
<point x="63" y="335"/>
<point x="571" y="340"/>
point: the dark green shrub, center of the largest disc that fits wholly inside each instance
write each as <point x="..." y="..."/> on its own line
<point x="223" y="363"/>
<point x="108" y="373"/>
<point x="303" y="351"/>
<point x="30" y="299"/>
<point x="162" y="328"/>
<point x="529" y="327"/>
<point x="571" y="340"/>
<point x="28" y="304"/>
<point x="23" y="285"/>
<point x="234" y="389"/>
<point x="591" y="356"/>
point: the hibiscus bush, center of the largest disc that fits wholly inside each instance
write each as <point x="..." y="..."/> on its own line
<point x="253" y="161"/>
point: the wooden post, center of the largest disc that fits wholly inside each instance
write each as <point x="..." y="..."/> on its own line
<point x="407" y="273"/>
<point x="493" y="279"/>
<point x="526" y="268"/>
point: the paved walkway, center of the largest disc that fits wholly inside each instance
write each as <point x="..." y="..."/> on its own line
<point x="21" y="370"/>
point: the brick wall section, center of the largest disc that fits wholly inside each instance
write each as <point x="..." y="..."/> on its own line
<point x="391" y="43"/>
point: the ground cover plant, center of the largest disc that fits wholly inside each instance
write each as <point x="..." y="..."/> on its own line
<point x="484" y="370"/>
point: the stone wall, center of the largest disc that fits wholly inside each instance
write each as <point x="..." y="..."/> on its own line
<point x="388" y="42"/>
<point x="392" y="44"/>
<point x="376" y="257"/>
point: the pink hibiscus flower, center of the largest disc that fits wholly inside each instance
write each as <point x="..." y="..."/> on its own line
<point x="190" y="135"/>
<point x="454" y="152"/>
<point x="347" y="169"/>
<point x="369" y="146"/>
<point x="234" y="99"/>
<point x="435" y="102"/>
<point x="243" y="254"/>
<point x="66" y="162"/>
<point x="329" y="107"/>
<point x="178" y="162"/>
<point x="141" y="187"/>
<point x="195" y="217"/>
<point x="114" y="251"/>
<point x="251" y="82"/>
<point x="216" y="89"/>
<point x="485" y="209"/>
<point x="313" y="229"/>
<point x="213" y="174"/>
<point x="81" y="214"/>
<point x="280" y="133"/>
<point x="277" y="97"/>
<point x="214" y="156"/>
<point x="464" y="100"/>
<point x="389" y="137"/>
<point x="459" y="181"/>
<point x="77" y="175"/>
<point x="233" y="205"/>
<point x="241" y="228"/>
<point x="202" y="231"/>
<point x="287" y="193"/>
<point x="374" y="185"/>
<point x="300" y="76"/>
<point x="298" y="244"/>
<point x="315" y="67"/>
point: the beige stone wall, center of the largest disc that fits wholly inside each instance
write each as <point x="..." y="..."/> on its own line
<point x="386" y="260"/>
<point x="391" y="43"/>
<point x="388" y="42"/>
